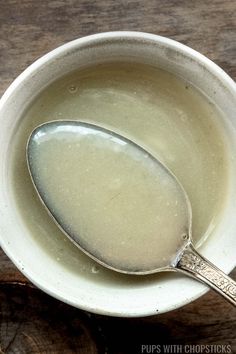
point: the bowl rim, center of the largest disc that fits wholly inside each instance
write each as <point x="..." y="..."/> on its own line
<point x="69" y="46"/>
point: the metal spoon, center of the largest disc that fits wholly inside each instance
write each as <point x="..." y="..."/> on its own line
<point x="185" y="258"/>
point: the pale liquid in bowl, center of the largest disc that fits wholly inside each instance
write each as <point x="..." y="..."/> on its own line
<point x="152" y="107"/>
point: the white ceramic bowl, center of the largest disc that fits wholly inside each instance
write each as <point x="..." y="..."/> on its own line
<point x="128" y="299"/>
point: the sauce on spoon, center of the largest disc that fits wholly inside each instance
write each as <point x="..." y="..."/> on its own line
<point x="109" y="195"/>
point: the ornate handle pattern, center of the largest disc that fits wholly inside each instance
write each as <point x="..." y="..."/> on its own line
<point x="195" y="265"/>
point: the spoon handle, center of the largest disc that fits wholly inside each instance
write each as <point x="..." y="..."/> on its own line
<point x="198" y="267"/>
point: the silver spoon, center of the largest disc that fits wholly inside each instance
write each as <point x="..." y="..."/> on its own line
<point x="185" y="259"/>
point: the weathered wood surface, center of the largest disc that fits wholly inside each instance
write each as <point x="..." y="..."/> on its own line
<point x="32" y="322"/>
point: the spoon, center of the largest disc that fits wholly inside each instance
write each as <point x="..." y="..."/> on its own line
<point x="117" y="202"/>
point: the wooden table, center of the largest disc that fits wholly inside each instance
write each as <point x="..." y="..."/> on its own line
<point x="32" y="322"/>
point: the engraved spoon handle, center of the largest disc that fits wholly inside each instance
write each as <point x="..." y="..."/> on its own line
<point x="198" y="267"/>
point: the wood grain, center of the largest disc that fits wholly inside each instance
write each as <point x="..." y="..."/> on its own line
<point x="32" y="322"/>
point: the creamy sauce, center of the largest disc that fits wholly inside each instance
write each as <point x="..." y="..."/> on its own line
<point x="109" y="195"/>
<point x="157" y="110"/>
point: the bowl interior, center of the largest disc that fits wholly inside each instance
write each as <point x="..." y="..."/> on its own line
<point x="126" y="297"/>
